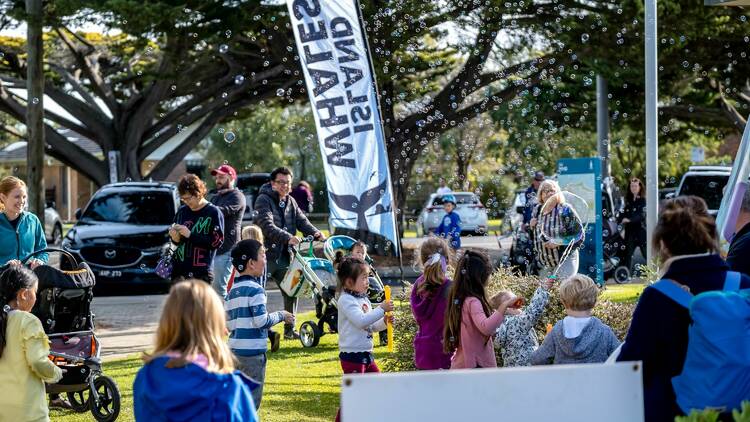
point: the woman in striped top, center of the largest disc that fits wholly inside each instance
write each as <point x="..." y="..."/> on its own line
<point x="556" y="226"/>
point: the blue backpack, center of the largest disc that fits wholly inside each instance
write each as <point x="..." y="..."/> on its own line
<point x="716" y="373"/>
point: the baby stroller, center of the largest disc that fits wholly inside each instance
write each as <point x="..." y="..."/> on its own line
<point x="614" y="253"/>
<point x="64" y="308"/>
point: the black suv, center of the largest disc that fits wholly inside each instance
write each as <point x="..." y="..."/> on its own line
<point x="123" y="231"/>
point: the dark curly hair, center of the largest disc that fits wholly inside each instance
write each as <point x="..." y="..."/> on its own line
<point x="685" y="228"/>
<point x="12" y="279"/>
<point x="191" y="184"/>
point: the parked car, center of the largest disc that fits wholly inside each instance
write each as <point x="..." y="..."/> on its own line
<point x="53" y="228"/>
<point x="706" y="182"/>
<point x="123" y="231"/>
<point x="473" y="215"/>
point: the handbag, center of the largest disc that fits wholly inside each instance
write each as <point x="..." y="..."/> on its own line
<point x="164" y="266"/>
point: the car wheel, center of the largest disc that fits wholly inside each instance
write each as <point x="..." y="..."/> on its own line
<point x="56" y="234"/>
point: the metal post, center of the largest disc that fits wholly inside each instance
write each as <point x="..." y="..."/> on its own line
<point x="35" y="109"/>
<point x="602" y="124"/>
<point x="652" y="135"/>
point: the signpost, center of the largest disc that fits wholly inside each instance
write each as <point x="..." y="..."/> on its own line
<point x="582" y="176"/>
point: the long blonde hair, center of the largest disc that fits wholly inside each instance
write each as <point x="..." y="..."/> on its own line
<point x="7" y="185"/>
<point x="193" y="323"/>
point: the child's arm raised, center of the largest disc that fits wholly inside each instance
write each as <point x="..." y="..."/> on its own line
<point x="349" y="306"/>
<point x="531" y="314"/>
<point x="36" y="347"/>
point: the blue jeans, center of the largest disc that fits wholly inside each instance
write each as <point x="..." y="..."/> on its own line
<point x="222" y="272"/>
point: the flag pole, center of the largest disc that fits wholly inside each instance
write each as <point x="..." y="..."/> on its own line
<point x="399" y="246"/>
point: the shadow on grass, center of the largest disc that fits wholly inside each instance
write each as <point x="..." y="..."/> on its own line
<point x="308" y="406"/>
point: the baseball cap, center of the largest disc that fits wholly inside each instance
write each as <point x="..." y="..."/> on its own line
<point x="539" y="176"/>
<point x="225" y="169"/>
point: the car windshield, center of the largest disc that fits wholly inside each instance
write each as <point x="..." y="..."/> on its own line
<point x="710" y="188"/>
<point x="461" y="199"/>
<point x="146" y="208"/>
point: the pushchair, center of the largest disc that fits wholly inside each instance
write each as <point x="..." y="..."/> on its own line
<point x="64" y="307"/>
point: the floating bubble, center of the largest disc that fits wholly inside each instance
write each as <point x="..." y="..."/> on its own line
<point x="223" y="48"/>
<point x="230" y="137"/>
<point x="280" y="92"/>
<point x="35" y="100"/>
<point x="239" y="79"/>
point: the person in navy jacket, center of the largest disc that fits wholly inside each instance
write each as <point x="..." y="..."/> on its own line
<point x="450" y="226"/>
<point x="687" y="243"/>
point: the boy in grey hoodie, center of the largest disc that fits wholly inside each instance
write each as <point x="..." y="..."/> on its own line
<point x="579" y="337"/>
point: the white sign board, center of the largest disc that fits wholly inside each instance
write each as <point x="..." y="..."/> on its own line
<point x="698" y="155"/>
<point x="561" y="393"/>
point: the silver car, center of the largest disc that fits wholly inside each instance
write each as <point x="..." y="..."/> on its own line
<point x="53" y="228"/>
<point x="473" y="215"/>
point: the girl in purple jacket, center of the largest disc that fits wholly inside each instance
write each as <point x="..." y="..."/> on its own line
<point x="429" y="298"/>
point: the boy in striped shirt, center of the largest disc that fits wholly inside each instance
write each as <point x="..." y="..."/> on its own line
<point x="247" y="319"/>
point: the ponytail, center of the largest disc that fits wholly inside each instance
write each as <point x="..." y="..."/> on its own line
<point x="434" y="257"/>
<point x="12" y="279"/>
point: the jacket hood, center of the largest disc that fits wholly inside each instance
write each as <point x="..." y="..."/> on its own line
<point x="584" y="344"/>
<point x="184" y="393"/>
<point x="266" y="189"/>
<point x="424" y="306"/>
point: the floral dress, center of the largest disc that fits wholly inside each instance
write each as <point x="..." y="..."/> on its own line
<point x="516" y="337"/>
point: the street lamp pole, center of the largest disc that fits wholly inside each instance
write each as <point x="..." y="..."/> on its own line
<point x="652" y="124"/>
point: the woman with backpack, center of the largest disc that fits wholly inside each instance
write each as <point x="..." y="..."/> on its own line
<point x="687" y="243"/>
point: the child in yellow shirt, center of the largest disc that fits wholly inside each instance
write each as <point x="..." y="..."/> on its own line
<point x="24" y="347"/>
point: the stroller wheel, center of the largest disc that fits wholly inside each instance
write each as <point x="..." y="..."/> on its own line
<point x="622" y="274"/>
<point x="107" y="407"/>
<point x="79" y="400"/>
<point x="309" y="334"/>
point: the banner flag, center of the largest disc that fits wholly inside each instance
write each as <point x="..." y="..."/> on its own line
<point x="343" y="96"/>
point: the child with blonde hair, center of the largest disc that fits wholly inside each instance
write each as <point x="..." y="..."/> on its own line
<point x="429" y="300"/>
<point x="24" y="365"/>
<point x="516" y="337"/>
<point x="579" y="337"/>
<point x="190" y="375"/>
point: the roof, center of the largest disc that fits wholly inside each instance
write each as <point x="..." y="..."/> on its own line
<point x="16" y="152"/>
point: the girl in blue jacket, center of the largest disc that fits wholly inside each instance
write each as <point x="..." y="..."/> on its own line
<point x="21" y="233"/>
<point x="450" y="226"/>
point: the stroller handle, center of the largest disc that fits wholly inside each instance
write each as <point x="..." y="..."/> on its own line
<point x="62" y="251"/>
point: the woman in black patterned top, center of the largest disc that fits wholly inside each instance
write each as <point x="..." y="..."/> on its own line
<point x="556" y="225"/>
<point x="198" y="231"/>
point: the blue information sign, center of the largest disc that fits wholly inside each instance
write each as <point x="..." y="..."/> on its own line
<point x="583" y="177"/>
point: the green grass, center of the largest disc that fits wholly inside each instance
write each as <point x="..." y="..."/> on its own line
<point x="624" y="293"/>
<point x="301" y="384"/>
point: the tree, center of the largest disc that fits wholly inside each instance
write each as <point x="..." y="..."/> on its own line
<point x="175" y="67"/>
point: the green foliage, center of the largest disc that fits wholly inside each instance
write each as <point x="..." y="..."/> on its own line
<point x="711" y="415"/>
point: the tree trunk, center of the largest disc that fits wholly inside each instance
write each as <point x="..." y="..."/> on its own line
<point x="35" y="109"/>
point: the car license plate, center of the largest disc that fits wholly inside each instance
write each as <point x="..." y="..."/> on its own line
<point x="110" y="273"/>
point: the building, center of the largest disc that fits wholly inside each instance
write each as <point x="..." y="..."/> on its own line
<point x="70" y="190"/>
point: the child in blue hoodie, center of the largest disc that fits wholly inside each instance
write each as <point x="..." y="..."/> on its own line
<point x="190" y="375"/>
<point x="450" y="226"/>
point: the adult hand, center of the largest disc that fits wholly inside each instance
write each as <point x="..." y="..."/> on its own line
<point x="14" y="262"/>
<point x="548" y="283"/>
<point x="513" y="311"/>
<point x="174" y="235"/>
<point x="387" y="305"/>
<point x="35" y="263"/>
<point x="320" y="236"/>
<point x="507" y="303"/>
<point x="532" y="223"/>
<point x="294" y="241"/>
<point x="288" y="317"/>
<point x="183" y="231"/>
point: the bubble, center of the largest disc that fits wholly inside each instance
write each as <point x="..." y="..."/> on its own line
<point x="244" y="257"/>
<point x="190" y="274"/>
<point x="173" y="87"/>
<point x="239" y="79"/>
<point x="223" y="48"/>
<point x="421" y="123"/>
<point x="280" y="92"/>
<point x="584" y="38"/>
<point x="221" y="130"/>
<point x="230" y="137"/>
<point x="35" y="100"/>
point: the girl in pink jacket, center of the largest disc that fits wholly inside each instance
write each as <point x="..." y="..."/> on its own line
<point x="469" y="320"/>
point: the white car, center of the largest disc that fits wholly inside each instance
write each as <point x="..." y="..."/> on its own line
<point x="473" y="214"/>
<point x="706" y="182"/>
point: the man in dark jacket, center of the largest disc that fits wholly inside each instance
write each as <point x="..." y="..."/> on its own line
<point x="738" y="257"/>
<point x="279" y="217"/>
<point x="231" y="203"/>
<point x="531" y="200"/>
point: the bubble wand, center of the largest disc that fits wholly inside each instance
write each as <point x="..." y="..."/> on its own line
<point x="389" y="324"/>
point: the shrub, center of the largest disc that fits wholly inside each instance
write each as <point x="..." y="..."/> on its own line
<point x="616" y="315"/>
<point x="711" y="415"/>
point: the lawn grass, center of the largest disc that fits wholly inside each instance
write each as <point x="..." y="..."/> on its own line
<point x="623" y="293"/>
<point x="301" y="384"/>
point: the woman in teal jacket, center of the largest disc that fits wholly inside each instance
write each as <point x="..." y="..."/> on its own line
<point x="21" y="233"/>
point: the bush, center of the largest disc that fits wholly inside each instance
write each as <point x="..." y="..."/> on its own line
<point x="616" y="315"/>
<point x="710" y="415"/>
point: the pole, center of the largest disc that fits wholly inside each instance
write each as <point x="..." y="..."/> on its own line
<point x="602" y="124"/>
<point x="35" y="109"/>
<point x="652" y="136"/>
<point x="394" y="205"/>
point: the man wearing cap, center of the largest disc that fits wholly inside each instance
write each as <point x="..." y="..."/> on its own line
<point x="531" y="200"/>
<point x="279" y="217"/>
<point x="231" y="203"/>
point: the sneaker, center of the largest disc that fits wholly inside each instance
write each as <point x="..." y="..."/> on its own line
<point x="59" y="403"/>
<point x="291" y="335"/>
<point x="275" y="340"/>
